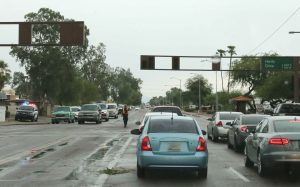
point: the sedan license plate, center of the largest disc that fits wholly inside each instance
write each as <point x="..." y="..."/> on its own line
<point x="174" y="147"/>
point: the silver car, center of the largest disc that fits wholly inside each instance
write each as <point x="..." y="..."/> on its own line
<point x="218" y="125"/>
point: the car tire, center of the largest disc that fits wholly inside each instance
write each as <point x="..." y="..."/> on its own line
<point x="261" y="168"/>
<point x="79" y="122"/>
<point x="106" y="119"/>
<point x="229" y="146"/>
<point x="32" y="120"/>
<point x="247" y="162"/>
<point x="235" y="146"/>
<point x="37" y="118"/>
<point x="213" y="138"/>
<point x="140" y="171"/>
<point x="202" y="173"/>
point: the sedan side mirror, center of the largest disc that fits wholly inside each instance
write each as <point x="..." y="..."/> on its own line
<point x="203" y="132"/>
<point x="138" y="123"/>
<point x="229" y="123"/>
<point x="135" y="132"/>
<point x="209" y="119"/>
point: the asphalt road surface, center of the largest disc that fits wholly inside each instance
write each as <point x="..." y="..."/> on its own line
<point x="104" y="155"/>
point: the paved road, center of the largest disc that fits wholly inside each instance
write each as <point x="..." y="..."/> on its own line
<point x="79" y="155"/>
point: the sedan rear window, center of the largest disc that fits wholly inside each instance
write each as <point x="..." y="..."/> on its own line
<point x="172" y="126"/>
<point x="228" y="116"/>
<point x="287" y="126"/>
<point x="253" y="120"/>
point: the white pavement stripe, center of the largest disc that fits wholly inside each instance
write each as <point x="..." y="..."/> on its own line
<point x="239" y="175"/>
<point x="103" y="177"/>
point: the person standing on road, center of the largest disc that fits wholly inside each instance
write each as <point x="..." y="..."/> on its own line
<point x="125" y="115"/>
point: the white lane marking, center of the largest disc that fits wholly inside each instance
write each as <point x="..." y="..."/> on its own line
<point x="239" y="175"/>
<point x="103" y="177"/>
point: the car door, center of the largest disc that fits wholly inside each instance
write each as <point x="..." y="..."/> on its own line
<point x="250" y="142"/>
<point x="258" y="138"/>
<point x="232" y="130"/>
<point x="210" y="124"/>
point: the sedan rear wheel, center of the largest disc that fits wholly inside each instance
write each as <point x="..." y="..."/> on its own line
<point x="213" y="137"/>
<point x="248" y="163"/>
<point x="140" y="171"/>
<point x="202" y="173"/>
<point x="261" y="168"/>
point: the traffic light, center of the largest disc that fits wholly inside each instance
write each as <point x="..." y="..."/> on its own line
<point x="175" y="62"/>
<point x="147" y="62"/>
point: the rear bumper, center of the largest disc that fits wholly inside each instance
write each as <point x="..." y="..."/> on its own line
<point x="87" y="118"/>
<point x="195" y="161"/>
<point x="274" y="158"/>
<point x="222" y="132"/>
<point x="60" y="119"/>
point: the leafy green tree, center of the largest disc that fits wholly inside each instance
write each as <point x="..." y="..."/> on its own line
<point x="21" y="84"/>
<point x="224" y="99"/>
<point x="53" y="71"/>
<point x="192" y="85"/>
<point x="125" y="88"/>
<point x="4" y="74"/>
<point x="95" y="70"/>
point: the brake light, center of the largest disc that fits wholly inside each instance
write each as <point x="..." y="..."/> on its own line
<point x="219" y="124"/>
<point x="201" y="146"/>
<point x="243" y="128"/>
<point x="278" y="141"/>
<point x="146" y="144"/>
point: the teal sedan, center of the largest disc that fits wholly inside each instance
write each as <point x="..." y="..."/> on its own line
<point x="171" y="142"/>
<point x="62" y="113"/>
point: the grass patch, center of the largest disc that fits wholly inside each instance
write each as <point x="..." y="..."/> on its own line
<point x="114" y="171"/>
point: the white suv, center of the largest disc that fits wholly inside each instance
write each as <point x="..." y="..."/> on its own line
<point x="112" y="110"/>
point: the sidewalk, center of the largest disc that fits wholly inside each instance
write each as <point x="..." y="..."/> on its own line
<point x="11" y="121"/>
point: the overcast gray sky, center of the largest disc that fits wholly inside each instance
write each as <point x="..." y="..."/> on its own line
<point x="169" y="27"/>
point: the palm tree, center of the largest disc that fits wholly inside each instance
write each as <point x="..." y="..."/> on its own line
<point x="221" y="52"/>
<point x="4" y="74"/>
<point x="231" y="51"/>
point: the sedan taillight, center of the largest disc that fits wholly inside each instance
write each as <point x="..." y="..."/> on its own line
<point x="201" y="145"/>
<point x="146" y="144"/>
<point x="243" y="128"/>
<point x="219" y="124"/>
<point x="278" y="141"/>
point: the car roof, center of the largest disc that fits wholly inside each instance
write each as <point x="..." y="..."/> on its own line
<point x="160" y="114"/>
<point x="253" y="115"/>
<point x="166" y="107"/>
<point x="174" y="117"/>
<point x="274" y="118"/>
<point x="229" y="112"/>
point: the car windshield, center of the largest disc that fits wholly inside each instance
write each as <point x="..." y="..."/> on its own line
<point x="228" y="116"/>
<point x="75" y="109"/>
<point x="103" y="106"/>
<point x="290" y="108"/>
<point x="29" y="108"/>
<point x="251" y="120"/>
<point x="89" y="107"/>
<point x="172" y="126"/>
<point x="287" y="126"/>
<point x="111" y="106"/>
<point x="62" y="108"/>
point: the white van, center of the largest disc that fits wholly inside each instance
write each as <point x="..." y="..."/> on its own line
<point x="112" y="110"/>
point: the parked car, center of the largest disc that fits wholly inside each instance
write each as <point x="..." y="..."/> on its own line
<point x="149" y="114"/>
<point x="104" y="111"/>
<point x="274" y="142"/>
<point x="218" y="127"/>
<point x="75" y="110"/>
<point x="91" y="113"/>
<point x="173" y="109"/>
<point x="120" y="108"/>
<point x="287" y="109"/>
<point x="27" y="112"/>
<point x="112" y="110"/>
<point x="171" y="142"/>
<point x="62" y="113"/>
<point x="240" y="128"/>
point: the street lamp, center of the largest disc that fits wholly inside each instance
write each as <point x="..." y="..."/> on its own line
<point x="199" y="93"/>
<point x="216" y="60"/>
<point x="180" y="90"/>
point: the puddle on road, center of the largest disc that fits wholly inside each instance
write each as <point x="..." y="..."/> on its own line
<point x="112" y="142"/>
<point x="40" y="171"/>
<point x="38" y="155"/>
<point x="98" y="155"/>
<point x="50" y="149"/>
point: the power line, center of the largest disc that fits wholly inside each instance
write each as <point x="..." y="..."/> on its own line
<point x="276" y="30"/>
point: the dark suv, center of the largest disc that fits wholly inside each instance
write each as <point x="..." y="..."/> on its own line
<point x="90" y="112"/>
<point x="287" y="109"/>
<point x="27" y="112"/>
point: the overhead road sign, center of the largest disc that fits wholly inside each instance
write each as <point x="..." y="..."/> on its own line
<point x="277" y="63"/>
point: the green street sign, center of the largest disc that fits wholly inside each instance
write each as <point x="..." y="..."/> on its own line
<point x="277" y="63"/>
